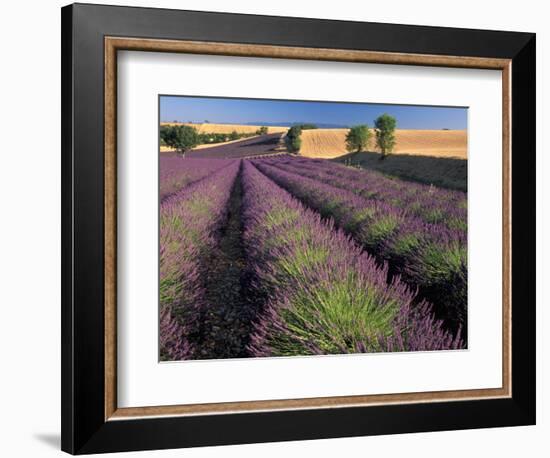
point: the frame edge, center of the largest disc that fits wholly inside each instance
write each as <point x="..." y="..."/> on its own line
<point x="67" y="337"/>
<point x="521" y="409"/>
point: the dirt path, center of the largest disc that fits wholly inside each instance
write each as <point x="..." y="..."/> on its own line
<point x="225" y="326"/>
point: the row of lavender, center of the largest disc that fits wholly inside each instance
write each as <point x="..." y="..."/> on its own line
<point x="324" y="294"/>
<point x="427" y="256"/>
<point x="319" y="292"/>
<point x="176" y="173"/>
<point x="431" y="204"/>
<point x="190" y="220"/>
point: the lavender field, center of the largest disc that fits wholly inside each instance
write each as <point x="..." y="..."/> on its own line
<point x="269" y="254"/>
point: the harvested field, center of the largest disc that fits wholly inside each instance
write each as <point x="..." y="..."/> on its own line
<point x="330" y="143"/>
<point x="208" y="128"/>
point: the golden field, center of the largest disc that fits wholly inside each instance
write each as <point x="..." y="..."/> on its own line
<point x="436" y="157"/>
<point x="208" y="128"/>
<point x="331" y="143"/>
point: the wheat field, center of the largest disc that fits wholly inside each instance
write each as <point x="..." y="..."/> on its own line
<point x="330" y="143"/>
<point x="209" y="128"/>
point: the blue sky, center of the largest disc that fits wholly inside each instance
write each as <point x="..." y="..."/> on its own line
<point x="247" y="111"/>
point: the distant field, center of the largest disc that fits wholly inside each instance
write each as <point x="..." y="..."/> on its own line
<point x="167" y="149"/>
<point x="207" y="128"/>
<point x="330" y="143"/>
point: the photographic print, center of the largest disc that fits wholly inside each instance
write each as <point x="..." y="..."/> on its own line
<point x="296" y="228"/>
<point x="274" y="228"/>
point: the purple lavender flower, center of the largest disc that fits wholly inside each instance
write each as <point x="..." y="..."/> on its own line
<point x="430" y="256"/>
<point x="324" y="294"/>
<point x="189" y="223"/>
<point x="176" y="172"/>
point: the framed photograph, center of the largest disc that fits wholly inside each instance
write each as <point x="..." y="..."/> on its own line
<point x="283" y="228"/>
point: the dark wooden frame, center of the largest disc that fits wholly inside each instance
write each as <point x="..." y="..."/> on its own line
<point x="91" y="35"/>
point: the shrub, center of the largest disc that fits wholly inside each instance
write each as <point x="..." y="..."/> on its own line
<point x="234" y="135"/>
<point x="306" y="126"/>
<point x="357" y="139"/>
<point x="385" y="133"/>
<point x="262" y="130"/>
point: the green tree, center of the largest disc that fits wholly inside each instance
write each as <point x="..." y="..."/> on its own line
<point x="233" y="135"/>
<point x="295" y="144"/>
<point x="385" y="133"/>
<point x="357" y="139"/>
<point x="165" y="132"/>
<point x="306" y="126"/>
<point x="294" y="132"/>
<point x="182" y="138"/>
<point x="293" y="140"/>
<point x="262" y="130"/>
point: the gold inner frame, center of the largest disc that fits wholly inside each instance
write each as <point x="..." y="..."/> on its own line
<point x="114" y="44"/>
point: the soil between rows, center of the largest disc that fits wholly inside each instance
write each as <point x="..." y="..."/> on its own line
<point x="226" y="326"/>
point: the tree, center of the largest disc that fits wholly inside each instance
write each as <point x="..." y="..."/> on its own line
<point x="385" y="133"/>
<point x="295" y="144"/>
<point x="357" y="139"/>
<point x="233" y="135"/>
<point x="182" y="138"/>
<point x="293" y="140"/>
<point x="164" y="134"/>
<point x="262" y="130"/>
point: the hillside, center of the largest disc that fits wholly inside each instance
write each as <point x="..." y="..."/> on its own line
<point x="330" y="143"/>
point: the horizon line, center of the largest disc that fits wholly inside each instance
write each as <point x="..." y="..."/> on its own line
<point x="273" y="124"/>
